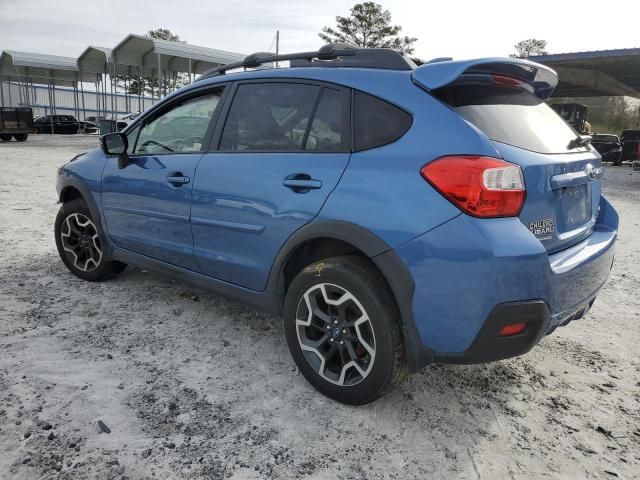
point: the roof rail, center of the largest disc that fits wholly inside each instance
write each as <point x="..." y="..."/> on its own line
<point x="330" y="55"/>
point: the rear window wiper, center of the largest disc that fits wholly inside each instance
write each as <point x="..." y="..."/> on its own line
<point x="579" y="141"/>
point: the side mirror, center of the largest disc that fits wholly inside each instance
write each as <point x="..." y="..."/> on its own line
<point x="116" y="144"/>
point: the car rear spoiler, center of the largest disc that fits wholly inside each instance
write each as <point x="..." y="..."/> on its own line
<point x="438" y="74"/>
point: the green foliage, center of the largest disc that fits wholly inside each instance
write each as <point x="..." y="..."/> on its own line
<point x="368" y="26"/>
<point x="530" y="47"/>
<point x="608" y="114"/>
<point x="164" y="34"/>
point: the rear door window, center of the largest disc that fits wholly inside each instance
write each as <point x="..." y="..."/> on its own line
<point x="270" y="117"/>
<point x="377" y="122"/>
<point x="327" y="132"/>
<point x="510" y="115"/>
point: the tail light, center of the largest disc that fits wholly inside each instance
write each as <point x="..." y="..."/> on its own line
<point x="484" y="187"/>
<point x="506" y="81"/>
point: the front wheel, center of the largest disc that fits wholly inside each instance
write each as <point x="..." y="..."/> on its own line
<point x="79" y="243"/>
<point x="5" y="138"/>
<point x="343" y="330"/>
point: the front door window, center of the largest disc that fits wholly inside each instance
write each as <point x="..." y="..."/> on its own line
<point x="181" y="129"/>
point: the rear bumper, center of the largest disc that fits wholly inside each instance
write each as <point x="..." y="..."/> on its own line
<point x="489" y="346"/>
<point x="472" y="275"/>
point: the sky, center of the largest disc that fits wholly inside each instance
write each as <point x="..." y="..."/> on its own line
<point x="459" y="29"/>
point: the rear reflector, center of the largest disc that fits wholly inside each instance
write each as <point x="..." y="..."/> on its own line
<point x="484" y="187"/>
<point x="512" y="329"/>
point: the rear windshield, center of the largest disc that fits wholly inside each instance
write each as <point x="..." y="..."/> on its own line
<point x="511" y="115"/>
<point x="630" y="135"/>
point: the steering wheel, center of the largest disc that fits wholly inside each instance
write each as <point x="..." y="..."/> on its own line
<point x="189" y="141"/>
<point x="153" y="142"/>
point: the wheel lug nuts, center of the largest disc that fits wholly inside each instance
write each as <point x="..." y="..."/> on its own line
<point x="344" y="330"/>
<point x="335" y="322"/>
<point x="341" y="342"/>
<point x="328" y="327"/>
<point x="331" y="340"/>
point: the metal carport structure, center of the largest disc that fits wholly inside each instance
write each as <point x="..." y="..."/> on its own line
<point x="135" y="57"/>
<point x="164" y="59"/>
<point x="50" y="70"/>
<point x="596" y="73"/>
<point x="93" y="66"/>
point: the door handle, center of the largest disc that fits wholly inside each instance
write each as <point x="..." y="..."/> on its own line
<point x="177" y="179"/>
<point x="301" y="182"/>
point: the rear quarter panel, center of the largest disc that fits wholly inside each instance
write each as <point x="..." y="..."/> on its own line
<point x="382" y="189"/>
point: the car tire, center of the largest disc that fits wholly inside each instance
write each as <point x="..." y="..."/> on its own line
<point x="5" y="138"/>
<point x="79" y="244"/>
<point x="360" y="356"/>
<point x="21" y="137"/>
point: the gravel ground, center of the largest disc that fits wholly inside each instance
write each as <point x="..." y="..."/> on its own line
<point x="144" y="377"/>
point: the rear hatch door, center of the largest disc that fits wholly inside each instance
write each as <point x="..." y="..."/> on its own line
<point x="504" y="99"/>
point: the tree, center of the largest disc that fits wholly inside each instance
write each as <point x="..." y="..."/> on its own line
<point x="149" y="85"/>
<point x="530" y="47"/>
<point x="164" y="34"/>
<point x="368" y="26"/>
<point x="606" y="114"/>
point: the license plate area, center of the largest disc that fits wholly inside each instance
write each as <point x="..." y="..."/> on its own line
<point x="573" y="207"/>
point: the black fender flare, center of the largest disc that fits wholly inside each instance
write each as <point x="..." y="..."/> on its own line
<point x="72" y="182"/>
<point x="386" y="260"/>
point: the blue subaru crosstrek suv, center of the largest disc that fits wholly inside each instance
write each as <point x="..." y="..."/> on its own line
<point x="395" y="215"/>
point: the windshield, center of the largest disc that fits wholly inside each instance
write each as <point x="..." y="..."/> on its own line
<point x="511" y="115"/>
<point x="605" y="138"/>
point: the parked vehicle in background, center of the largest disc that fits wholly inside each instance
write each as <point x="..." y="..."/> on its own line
<point x="575" y="114"/>
<point x="93" y="119"/>
<point x="608" y="146"/>
<point x="87" y="127"/>
<point x="58" y="124"/>
<point x="16" y="123"/>
<point x="130" y="117"/>
<point x="120" y="124"/>
<point x="630" y="140"/>
<point x="394" y="215"/>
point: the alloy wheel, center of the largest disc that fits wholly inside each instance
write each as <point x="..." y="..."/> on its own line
<point x="81" y="242"/>
<point x="335" y="334"/>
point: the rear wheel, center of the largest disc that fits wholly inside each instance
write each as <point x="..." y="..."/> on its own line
<point x="79" y="243"/>
<point x="5" y="138"/>
<point x="342" y="328"/>
<point x="20" y="137"/>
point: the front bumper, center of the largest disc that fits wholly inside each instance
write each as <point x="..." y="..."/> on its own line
<point x="472" y="275"/>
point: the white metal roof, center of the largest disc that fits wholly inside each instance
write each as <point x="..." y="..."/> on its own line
<point x="94" y="59"/>
<point x="140" y="51"/>
<point x="38" y="66"/>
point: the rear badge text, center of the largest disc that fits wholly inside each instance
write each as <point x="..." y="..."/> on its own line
<point x="542" y="227"/>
